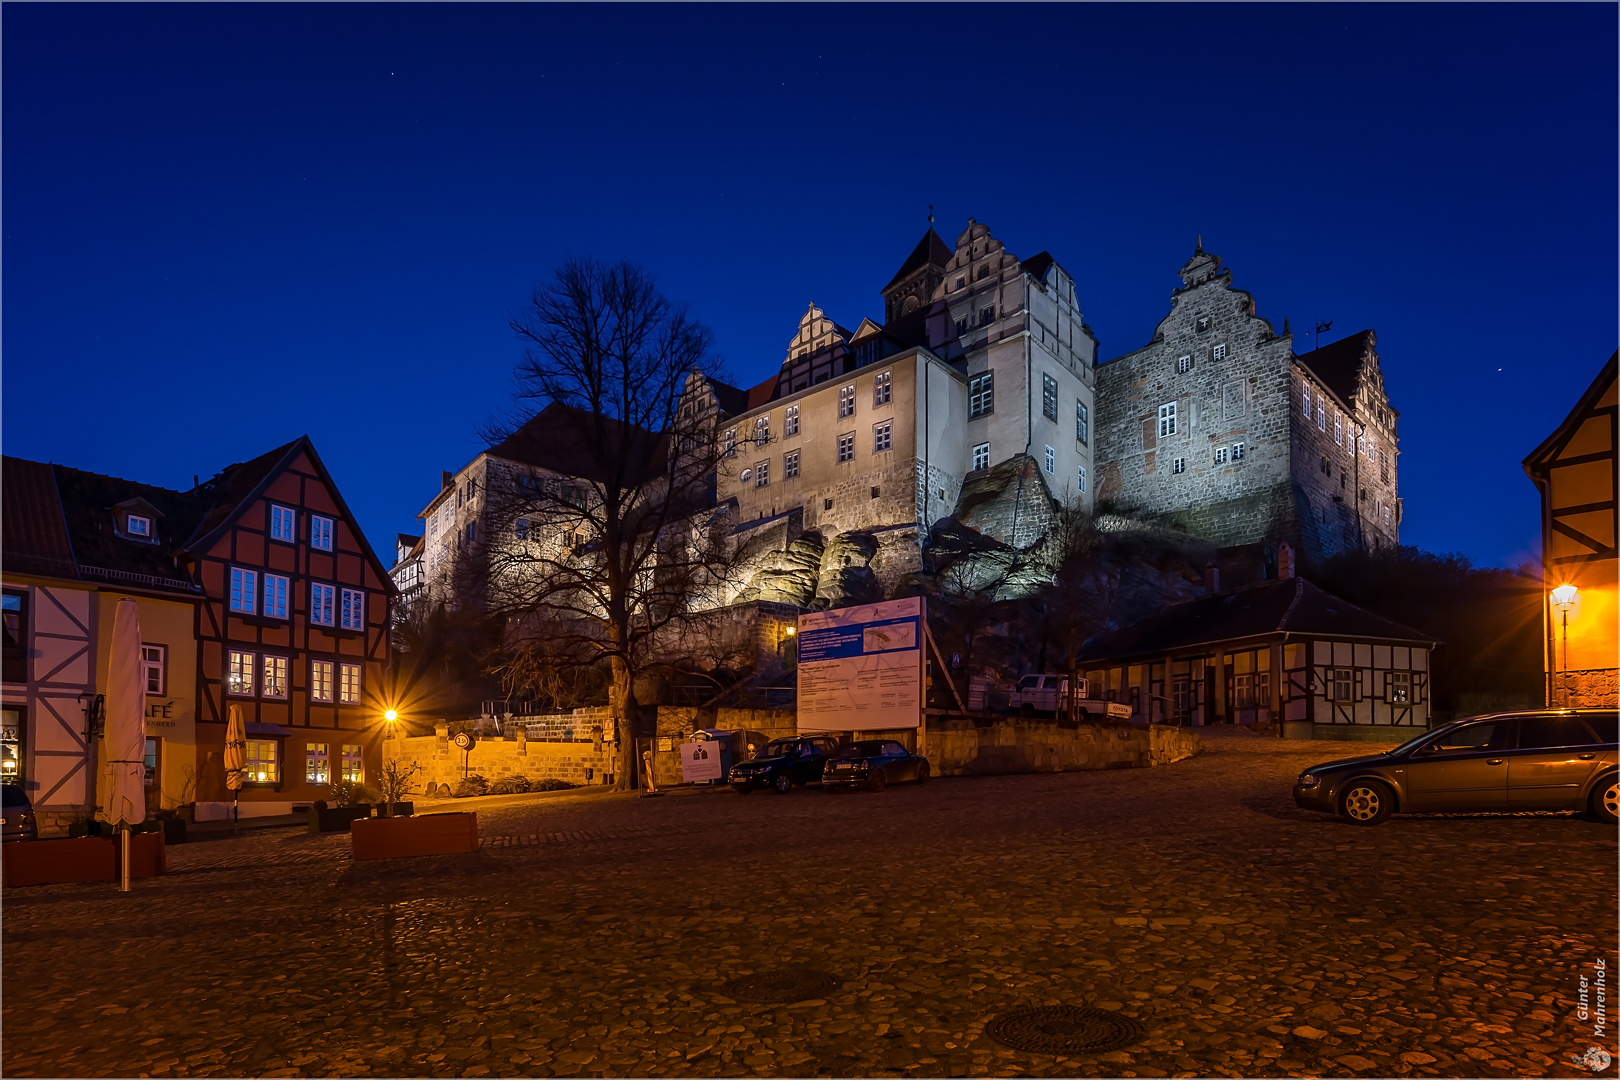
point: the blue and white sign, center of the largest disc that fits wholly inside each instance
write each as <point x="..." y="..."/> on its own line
<point x="860" y="668"/>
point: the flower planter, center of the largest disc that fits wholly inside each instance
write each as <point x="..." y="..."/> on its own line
<point x="336" y="818"/>
<point x="400" y="809"/>
<point x="88" y="858"/>
<point x="401" y="837"/>
<point x="146" y="854"/>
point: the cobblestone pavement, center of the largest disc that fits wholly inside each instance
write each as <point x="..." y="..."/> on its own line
<point x="593" y="932"/>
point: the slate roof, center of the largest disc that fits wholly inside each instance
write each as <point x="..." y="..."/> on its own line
<point x="87" y="500"/>
<point x="1293" y="606"/>
<point x="559" y="436"/>
<point x="33" y="534"/>
<point x="930" y="249"/>
<point x="732" y="400"/>
<point x="1338" y="364"/>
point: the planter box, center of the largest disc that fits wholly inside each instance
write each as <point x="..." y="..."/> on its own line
<point x="174" y="831"/>
<point x="146" y="856"/>
<point x="336" y="818"/>
<point x="430" y="834"/>
<point x="400" y="809"/>
<point x="88" y="858"/>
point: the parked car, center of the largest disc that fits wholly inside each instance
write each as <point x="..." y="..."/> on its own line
<point x="18" y="812"/>
<point x="784" y="764"/>
<point x="1050" y="694"/>
<point x="1544" y="760"/>
<point x="873" y="764"/>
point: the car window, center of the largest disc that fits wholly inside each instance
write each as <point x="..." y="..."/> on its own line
<point x="13" y="795"/>
<point x="779" y="748"/>
<point x="894" y="748"/>
<point x="1546" y="732"/>
<point x="1029" y="682"/>
<point x="862" y="749"/>
<point x="1471" y="737"/>
<point x="1605" y="725"/>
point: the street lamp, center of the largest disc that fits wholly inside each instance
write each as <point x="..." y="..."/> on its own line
<point x="1563" y="599"/>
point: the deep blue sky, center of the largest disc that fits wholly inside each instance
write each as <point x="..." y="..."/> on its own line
<point x="225" y="226"/>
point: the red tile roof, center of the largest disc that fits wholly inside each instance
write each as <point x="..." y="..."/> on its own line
<point x="34" y="537"/>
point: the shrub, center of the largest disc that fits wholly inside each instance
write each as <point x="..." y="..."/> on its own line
<point x="472" y="785"/>
<point x="509" y="785"/>
<point x="550" y="783"/>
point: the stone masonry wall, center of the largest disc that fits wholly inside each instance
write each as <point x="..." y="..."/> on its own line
<point x="582" y="762"/>
<point x="962" y="750"/>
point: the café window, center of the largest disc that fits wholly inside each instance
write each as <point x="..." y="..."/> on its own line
<point x="153" y="665"/>
<point x="275" y="676"/>
<point x="275" y="596"/>
<point x="239" y="673"/>
<point x="320" y="532"/>
<point x="11" y="755"/>
<point x="349" y="684"/>
<point x="244" y="586"/>
<point x="283" y="523"/>
<point x="320" y="680"/>
<point x="151" y="764"/>
<point x="317" y="765"/>
<point x="354" y="769"/>
<point x="263" y="765"/>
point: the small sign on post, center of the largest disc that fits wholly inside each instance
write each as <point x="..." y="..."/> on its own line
<point x="464" y="742"/>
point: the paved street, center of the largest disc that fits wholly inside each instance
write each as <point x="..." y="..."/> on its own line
<point x="592" y="934"/>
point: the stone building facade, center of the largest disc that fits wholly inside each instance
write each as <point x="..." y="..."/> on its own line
<point x="1217" y="427"/>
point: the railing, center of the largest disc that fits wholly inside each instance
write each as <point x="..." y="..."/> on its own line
<point x="141" y="579"/>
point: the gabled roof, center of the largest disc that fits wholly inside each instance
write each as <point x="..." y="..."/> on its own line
<point x="559" y="439"/>
<point x="33" y="532"/>
<point x="930" y="249"/>
<point x="1594" y="393"/>
<point x="762" y="393"/>
<point x="1291" y="606"/>
<point x="732" y="400"/>
<point x="1036" y="266"/>
<point x="88" y="500"/>
<point x="1338" y="365"/>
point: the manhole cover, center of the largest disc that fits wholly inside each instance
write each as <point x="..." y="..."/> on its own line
<point x="1064" y="1029"/>
<point x="781" y="987"/>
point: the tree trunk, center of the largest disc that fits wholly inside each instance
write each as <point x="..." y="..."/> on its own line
<point x="624" y="714"/>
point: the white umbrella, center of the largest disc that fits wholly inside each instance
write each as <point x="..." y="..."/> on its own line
<point x="125" y="732"/>
<point x="235" y="759"/>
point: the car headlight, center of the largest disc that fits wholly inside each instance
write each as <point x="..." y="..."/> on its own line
<point x="1309" y="779"/>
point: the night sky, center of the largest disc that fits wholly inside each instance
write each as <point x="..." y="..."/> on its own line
<point x="225" y="226"/>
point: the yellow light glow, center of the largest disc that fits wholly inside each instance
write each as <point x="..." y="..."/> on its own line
<point x="1564" y="596"/>
<point x="390" y="716"/>
<point x="792" y="630"/>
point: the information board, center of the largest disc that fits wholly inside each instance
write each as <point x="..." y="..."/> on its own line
<point x="860" y="668"/>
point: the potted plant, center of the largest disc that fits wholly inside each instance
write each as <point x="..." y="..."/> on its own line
<point x="347" y="795"/>
<point x="395" y="783"/>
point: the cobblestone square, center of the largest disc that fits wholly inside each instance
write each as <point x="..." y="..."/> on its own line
<point x="593" y="933"/>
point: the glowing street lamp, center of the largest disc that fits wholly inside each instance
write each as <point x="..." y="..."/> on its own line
<point x="390" y="716"/>
<point x="1563" y="599"/>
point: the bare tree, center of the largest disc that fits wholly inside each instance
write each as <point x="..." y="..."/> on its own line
<point x="618" y="537"/>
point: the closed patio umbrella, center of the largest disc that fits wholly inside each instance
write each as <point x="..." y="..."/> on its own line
<point x="235" y="760"/>
<point x="125" y="732"/>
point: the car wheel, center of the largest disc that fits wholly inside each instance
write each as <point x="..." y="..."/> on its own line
<point x="877" y="781"/>
<point x="783" y="783"/>
<point x="1603" y="801"/>
<point x="1366" y="802"/>
<point x="741" y="789"/>
<point x="922" y="773"/>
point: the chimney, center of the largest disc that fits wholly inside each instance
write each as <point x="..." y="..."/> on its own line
<point x="1285" y="561"/>
<point x="1212" y="578"/>
<point x="446" y="479"/>
<point x="194" y="484"/>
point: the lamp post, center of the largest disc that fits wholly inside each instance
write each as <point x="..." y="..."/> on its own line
<point x="1563" y="599"/>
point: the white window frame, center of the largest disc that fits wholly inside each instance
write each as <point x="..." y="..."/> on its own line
<point x="321" y="529"/>
<point x="1237" y="452"/>
<point x="1167" y="419"/>
<point x="283" y="524"/>
<point x="251" y="773"/>
<point x="728" y="445"/>
<point x="762" y="429"/>
<point x="276" y="670"/>
<point x="1178" y="466"/>
<point x="322" y="681"/>
<point x="154" y="661"/>
<point x="846" y="447"/>
<point x="762" y="473"/>
<point x="790" y="421"/>
<point x="1184" y="365"/>
<point x="883" y="437"/>
<point x="322" y="604"/>
<point x="1082" y="423"/>
<point x="352" y="609"/>
<point x="1218" y="351"/>
<point x="317" y="763"/>
<point x="1306" y="400"/>
<point x="241" y="672"/>
<point x="144" y="531"/>
<point x="1221" y="455"/>
<point x="276" y="589"/>
<point x="1338" y="428"/>
<point x="790" y="465"/>
<point x="1082" y="479"/>
<point x="981" y="456"/>
<point x="981" y="394"/>
<point x="882" y="389"/>
<point x="350" y="689"/>
<point x="354" y="763"/>
<point x="244" y="591"/>
<point x="846" y="401"/>
<point x="1051" y="461"/>
<point x="1321" y="413"/>
<point x="1049" y="397"/>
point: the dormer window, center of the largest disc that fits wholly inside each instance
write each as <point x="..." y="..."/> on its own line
<point x="138" y="526"/>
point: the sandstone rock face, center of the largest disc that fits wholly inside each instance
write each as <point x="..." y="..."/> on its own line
<point x="787" y="577"/>
<point x="846" y="572"/>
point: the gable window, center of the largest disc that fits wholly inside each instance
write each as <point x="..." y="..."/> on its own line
<point x="846" y="447"/>
<point x="153" y="659"/>
<point x="275" y="676"/>
<point x="239" y="673"/>
<point x="1237" y="451"/>
<point x="1049" y="397"/>
<point x="1051" y="460"/>
<point x="790" y="464"/>
<point x="320" y="604"/>
<point x="762" y="430"/>
<point x="1183" y="365"/>
<point x="1203" y="323"/>
<point x="961" y="282"/>
<point x="349" y="684"/>
<point x="320" y="680"/>
<point x="1338" y="428"/>
<point x="262" y="765"/>
<point x="981" y="395"/>
<point x="1221" y="453"/>
<point x="962" y="326"/>
<point x="1082" y="423"/>
<point x="244" y="586"/>
<point x="1218" y="352"/>
<point x="283" y="523"/>
<point x="138" y="525"/>
<point x="275" y="596"/>
<point x="1167" y="419"/>
<point x="1082" y="478"/>
<point x="320" y="532"/>
<point x="882" y="436"/>
<point x="790" y="425"/>
<point x="762" y="474"/>
<point x="1178" y="466"/>
<point x="846" y="401"/>
<point x="353" y="612"/>
<point x="984" y="272"/>
<point x="882" y="388"/>
<point x="981" y="456"/>
<point x="1321" y="413"/>
<point x="317" y="766"/>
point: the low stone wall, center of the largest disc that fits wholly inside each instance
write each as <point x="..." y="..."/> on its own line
<point x="439" y="762"/>
<point x="962" y="750"/>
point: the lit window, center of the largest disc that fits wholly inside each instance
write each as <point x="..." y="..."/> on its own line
<point x="283" y="523"/>
<point x="981" y="395"/>
<point x="320" y="532"/>
<point x="1051" y="460"/>
<point x="275" y="676"/>
<point x="1237" y="451"/>
<point x="244" y="584"/>
<point x="762" y="474"/>
<point x="320" y="604"/>
<point x="1049" y="397"/>
<point x="846" y="447"/>
<point x="239" y="674"/>
<point x="1167" y="419"/>
<point x="1178" y="465"/>
<point x="1082" y="478"/>
<point x="846" y="401"/>
<point x="320" y="680"/>
<point x="139" y="526"/>
<point x="261" y="766"/>
<point x="1218" y="352"/>
<point x="317" y="765"/>
<point x="790" y="426"/>
<point x="354" y="770"/>
<point x="1183" y="365"/>
<point x="349" y="684"/>
<point x="152" y="667"/>
<point x="790" y="464"/>
<point x="981" y="456"/>
<point x="762" y="430"/>
<point x="1082" y="423"/>
<point x="882" y="436"/>
<point x="882" y="389"/>
<point x="1400" y="687"/>
<point x="353" y="614"/>
<point x="275" y="596"/>
<point x="1220" y="455"/>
